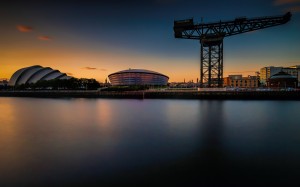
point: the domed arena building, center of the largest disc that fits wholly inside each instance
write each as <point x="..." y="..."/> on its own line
<point x="282" y="80"/>
<point x="35" y="73"/>
<point x="138" y="77"/>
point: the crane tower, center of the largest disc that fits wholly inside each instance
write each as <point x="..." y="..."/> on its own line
<point x="211" y="37"/>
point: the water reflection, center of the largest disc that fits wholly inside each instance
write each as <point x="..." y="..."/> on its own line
<point x="211" y="153"/>
<point x="147" y="142"/>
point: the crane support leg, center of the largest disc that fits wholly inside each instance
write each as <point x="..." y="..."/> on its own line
<point x="211" y="37"/>
<point x="211" y="63"/>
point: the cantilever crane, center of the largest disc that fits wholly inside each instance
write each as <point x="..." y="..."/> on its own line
<point x="211" y="37"/>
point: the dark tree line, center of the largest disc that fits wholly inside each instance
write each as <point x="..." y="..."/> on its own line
<point x="62" y="84"/>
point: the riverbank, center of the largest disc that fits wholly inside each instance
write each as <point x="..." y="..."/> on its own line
<point x="218" y="95"/>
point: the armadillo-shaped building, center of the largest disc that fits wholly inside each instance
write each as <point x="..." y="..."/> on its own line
<point x="35" y="73"/>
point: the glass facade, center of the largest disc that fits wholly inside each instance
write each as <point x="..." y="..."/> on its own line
<point x="137" y="77"/>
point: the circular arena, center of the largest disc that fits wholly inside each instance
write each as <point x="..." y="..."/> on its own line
<point x="138" y="77"/>
<point x="35" y="73"/>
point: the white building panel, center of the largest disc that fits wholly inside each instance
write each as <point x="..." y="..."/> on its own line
<point x="35" y="73"/>
<point x="39" y="75"/>
<point x="27" y="74"/>
<point x="53" y="75"/>
<point x="15" y="76"/>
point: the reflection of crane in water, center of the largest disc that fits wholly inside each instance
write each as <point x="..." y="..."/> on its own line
<point x="211" y="37"/>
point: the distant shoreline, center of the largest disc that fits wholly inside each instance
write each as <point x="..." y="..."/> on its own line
<point x="218" y="95"/>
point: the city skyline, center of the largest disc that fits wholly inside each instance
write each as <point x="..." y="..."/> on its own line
<point x="92" y="40"/>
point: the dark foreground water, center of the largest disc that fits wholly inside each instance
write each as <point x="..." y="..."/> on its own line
<point x="106" y="142"/>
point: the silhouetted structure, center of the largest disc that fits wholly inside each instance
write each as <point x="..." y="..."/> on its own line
<point x="282" y="80"/>
<point x="294" y="71"/>
<point x="267" y="72"/>
<point x="211" y="37"/>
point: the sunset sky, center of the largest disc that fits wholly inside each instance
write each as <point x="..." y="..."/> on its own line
<point x="93" y="39"/>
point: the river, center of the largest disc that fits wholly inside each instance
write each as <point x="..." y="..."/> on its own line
<point x="116" y="142"/>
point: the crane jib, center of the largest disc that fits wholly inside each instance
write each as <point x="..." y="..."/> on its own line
<point x="211" y="37"/>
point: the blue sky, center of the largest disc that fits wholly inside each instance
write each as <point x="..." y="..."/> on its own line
<point x="114" y="35"/>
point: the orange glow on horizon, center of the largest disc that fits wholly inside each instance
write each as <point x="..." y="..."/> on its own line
<point x="98" y="65"/>
<point x="44" y="38"/>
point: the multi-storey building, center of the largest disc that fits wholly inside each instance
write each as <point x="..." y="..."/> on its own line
<point x="294" y="71"/>
<point x="267" y="72"/>
<point x="241" y="82"/>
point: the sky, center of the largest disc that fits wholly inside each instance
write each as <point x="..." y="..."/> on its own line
<point x="92" y="39"/>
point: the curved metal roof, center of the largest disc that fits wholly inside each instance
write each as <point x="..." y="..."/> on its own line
<point x="15" y="76"/>
<point x="33" y="74"/>
<point x="27" y="74"/>
<point x="38" y="75"/>
<point x="49" y="75"/>
<point x="282" y="75"/>
<point x="138" y="71"/>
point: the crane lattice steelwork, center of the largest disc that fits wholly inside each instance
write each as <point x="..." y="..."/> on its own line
<point x="211" y="37"/>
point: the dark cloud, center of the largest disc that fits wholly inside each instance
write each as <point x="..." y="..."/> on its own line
<point x="166" y="1"/>
<point x="89" y="68"/>
<point x="24" y="28"/>
<point x="92" y="68"/>
<point x="71" y="74"/>
<point x="44" y="38"/>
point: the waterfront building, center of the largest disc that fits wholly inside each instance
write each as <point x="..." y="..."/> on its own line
<point x="267" y="72"/>
<point x="294" y="71"/>
<point x="35" y="73"/>
<point x="282" y="80"/>
<point x="241" y="82"/>
<point x="138" y="77"/>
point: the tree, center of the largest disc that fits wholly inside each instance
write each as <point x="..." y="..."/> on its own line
<point x="65" y="84"/>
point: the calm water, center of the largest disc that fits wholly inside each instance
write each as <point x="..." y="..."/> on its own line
<point x="106" y="142"/>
